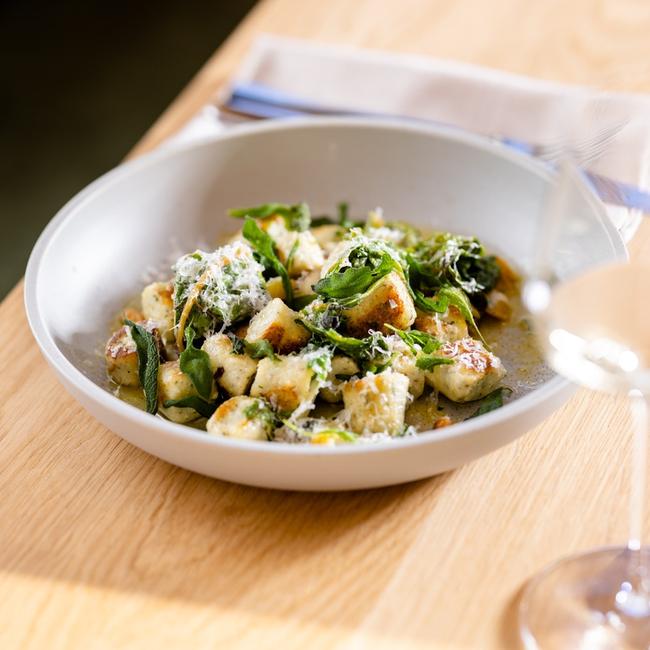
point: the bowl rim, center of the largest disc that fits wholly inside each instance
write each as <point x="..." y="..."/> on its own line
<point x="547" y="391"/>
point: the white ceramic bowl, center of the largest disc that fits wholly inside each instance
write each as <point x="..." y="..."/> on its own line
<point x="93" y="255"/>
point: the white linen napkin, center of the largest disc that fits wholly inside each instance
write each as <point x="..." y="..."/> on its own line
<point x="481" y="100"/>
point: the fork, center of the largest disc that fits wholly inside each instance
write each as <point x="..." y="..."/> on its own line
<point x="263" y="102"/>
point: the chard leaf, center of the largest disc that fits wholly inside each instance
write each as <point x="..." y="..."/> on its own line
<point x="491" y="402"/>
<point x="296" y="217"/>
<point x="202" y="407"/>
<point x="264" y="246"/>
<point x="259" y="349"/>
<point x="195" y="364"/>
<point x="148" y="362"/>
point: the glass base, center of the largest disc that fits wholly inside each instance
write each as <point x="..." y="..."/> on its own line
<point x="597" y="600"/>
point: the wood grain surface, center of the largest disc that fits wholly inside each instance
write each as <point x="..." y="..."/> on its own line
<point x="103" y="546"/>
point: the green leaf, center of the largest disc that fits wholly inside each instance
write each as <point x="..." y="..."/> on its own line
<point x="430" y="361"/>
<point x="430" y="305"/>
<point x="323" y="220"/>
<point x="364" y="264"/>
<point x="451" y="259"/>
<point x="256" y="349"/>
<point x="202" y="407"/>
<point x="259" y="349"/>
<point x="148" y="362"/>
<point x="292" y="254"/>
<point x="319" y="361"/>
<point x="483" y="271"/>
<point x="195" y="364"/>
<point x="353" y="281"/>
<point x="351" y="346"/>
<point x="296" y="217"/>
<point x="448" y="295"/>
<point x="260" y="410"/>
<point x="343" y="217"/>
<point x="426" y="342"/>
<point x="459" y="299"/>
<point x="372" y="352"/>
<point x="422" y="345"/>
<point x="264" y="246"/>
<point x="491" y="402"/>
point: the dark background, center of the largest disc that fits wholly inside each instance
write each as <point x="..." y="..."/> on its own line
<point x="79" y="85"/>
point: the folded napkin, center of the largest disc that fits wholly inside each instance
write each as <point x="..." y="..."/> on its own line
<point x="481" y="100"/>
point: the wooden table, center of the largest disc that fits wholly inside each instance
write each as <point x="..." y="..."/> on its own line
<point x="103" y="546"/>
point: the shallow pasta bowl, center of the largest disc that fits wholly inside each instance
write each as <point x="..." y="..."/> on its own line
<point x="94" y="255"/>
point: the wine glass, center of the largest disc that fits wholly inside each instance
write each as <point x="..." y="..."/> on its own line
<point x="593" y="322"/>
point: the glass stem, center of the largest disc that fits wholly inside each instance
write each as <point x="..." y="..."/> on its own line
<point x="633" y="598"/>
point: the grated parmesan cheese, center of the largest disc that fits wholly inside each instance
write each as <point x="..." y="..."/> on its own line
<point x="232" y="283"/>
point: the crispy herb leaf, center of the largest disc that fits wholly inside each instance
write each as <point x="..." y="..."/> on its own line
<point x="264" y="246"/>
<point x="202" y="407"/>
<point x="148" y="362"/>
<point x="491" y="402"/>
<point x="195" y="364"/>
<point x="296" y="217"/>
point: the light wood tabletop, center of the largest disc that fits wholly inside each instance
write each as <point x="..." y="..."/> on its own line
<point x="103" y="546"/>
